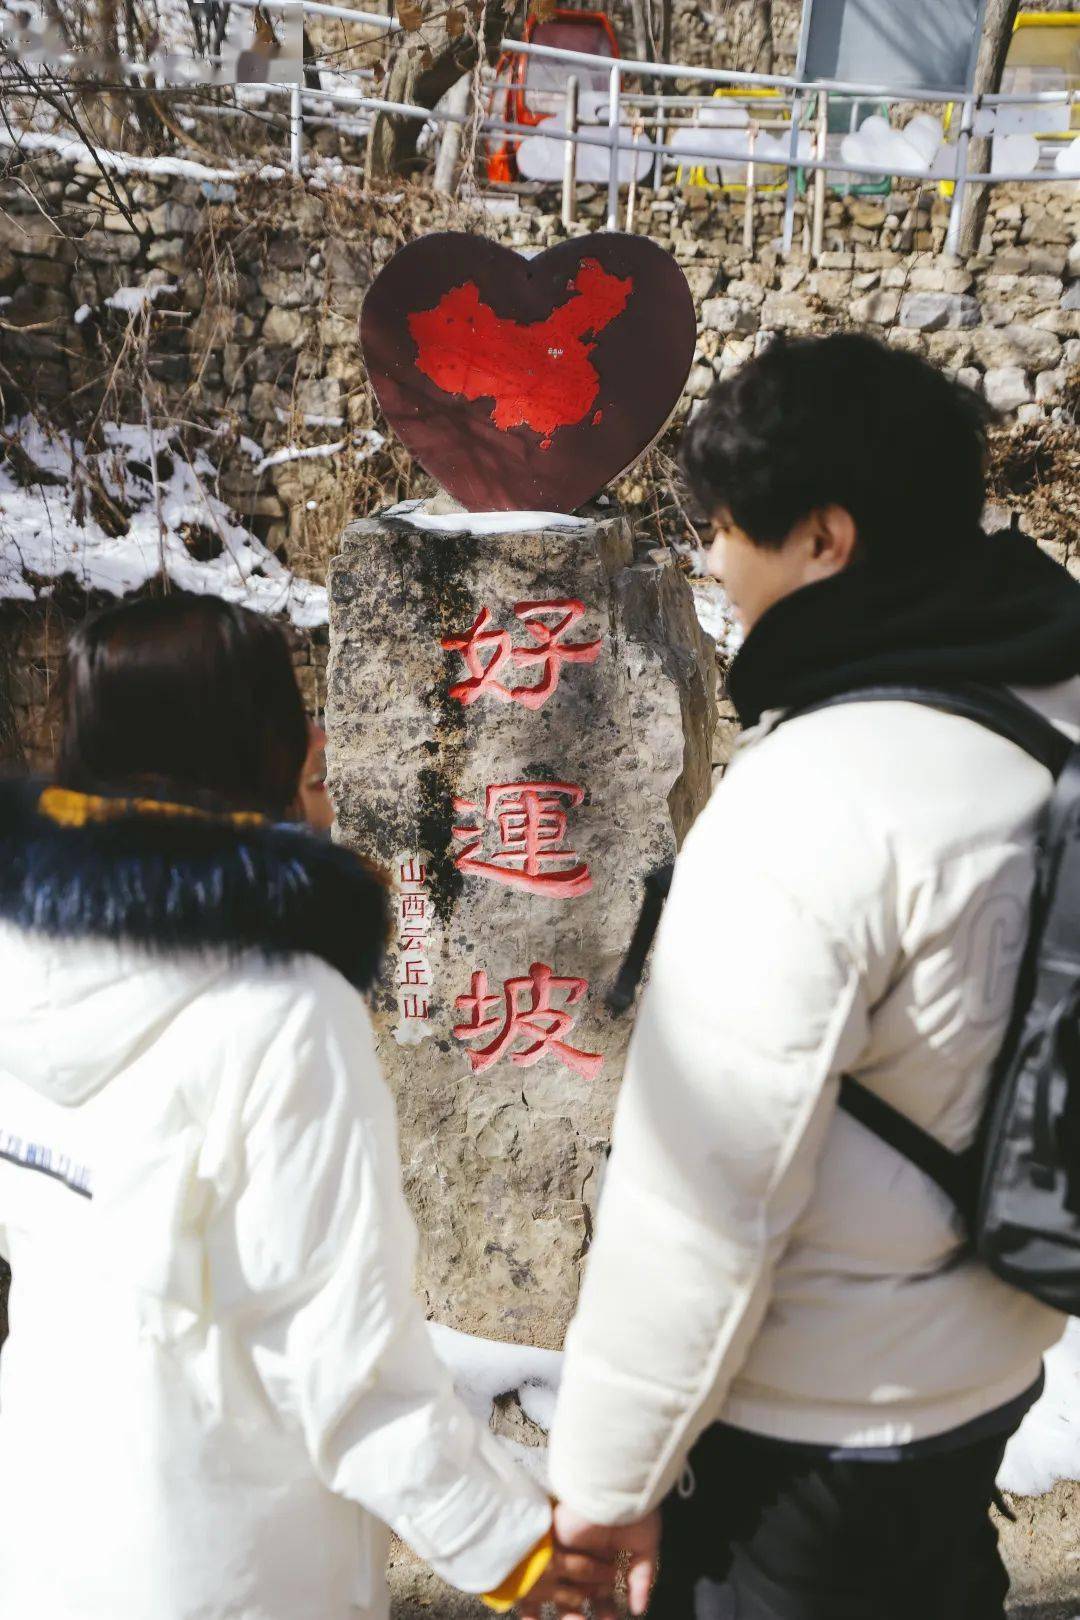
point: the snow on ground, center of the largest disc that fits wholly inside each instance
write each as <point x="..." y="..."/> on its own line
<point x="1045" y="1449"/>
<point x="42" y="541"/>
<point x="1047" y="1446"/>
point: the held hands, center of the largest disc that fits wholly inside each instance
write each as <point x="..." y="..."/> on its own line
<point x="585" y="1567"/>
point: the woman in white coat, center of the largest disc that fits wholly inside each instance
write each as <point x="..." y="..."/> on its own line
<point x="218" y="1389"/>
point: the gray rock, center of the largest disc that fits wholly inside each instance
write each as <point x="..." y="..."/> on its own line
<point x="285" y="326"/>
<point x="1071" y="298"/>
<point x="502" y="1159"/>
<point x="104" y="247"/>
<point x="175" y="219"/>
<point x="970" y="377"/>
<point x="699" y="382"/>
<point x="1006" y="388"/>
<point x="786" y="310"/>
<point x="727" y="315"/>
<point x="879" y="308"/>
<point x="290" y="290"/>
<point x="1028" y="347"/>
<point x="1049" y="386"/>
<point x="932" y="311"/>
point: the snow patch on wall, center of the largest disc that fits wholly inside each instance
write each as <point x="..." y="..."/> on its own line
<point x="179" y="529"/>
<point x="415" y="514"/>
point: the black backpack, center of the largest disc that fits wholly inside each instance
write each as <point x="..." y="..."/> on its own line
<point x="1018" y="1185"/>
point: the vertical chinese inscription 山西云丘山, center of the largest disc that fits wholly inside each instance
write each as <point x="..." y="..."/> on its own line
<point x="412" y="919"/>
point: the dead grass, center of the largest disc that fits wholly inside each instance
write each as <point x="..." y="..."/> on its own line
<point x="1035" y="470"/>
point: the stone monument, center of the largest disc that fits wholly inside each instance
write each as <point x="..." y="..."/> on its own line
<point x="520" y="715"/>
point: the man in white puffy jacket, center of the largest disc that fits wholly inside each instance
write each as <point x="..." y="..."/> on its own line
<point x="774" y="1293"/>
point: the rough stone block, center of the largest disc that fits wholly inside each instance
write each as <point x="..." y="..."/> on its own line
<point x="727" y="315"/>
<point x="503" y="1151"/>
<point x="289" y="290"/>
<point x="175" y="219"/>
<point x="878" y="308"/>
<point x="287" y="327"/>
<point x="786" y="310"/>
<point x="1049" y="386"/>
<point x="1017" y="345"/>
<point x="932" y="311"/>
<point x="106" y="247"/>
<point x="1006" y="387"/>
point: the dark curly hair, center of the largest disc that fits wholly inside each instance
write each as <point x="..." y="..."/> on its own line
<point x="843" y="421"/>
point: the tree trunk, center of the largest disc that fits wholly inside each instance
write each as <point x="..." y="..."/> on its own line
<point x="754" y="44"/>
<point x="764" y="53"/>
<point x="997" y="28"/>
<point x="641" y="30"/>
<point x="425" y="67"/>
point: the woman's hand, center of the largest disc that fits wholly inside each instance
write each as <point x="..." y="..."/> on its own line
<point x="585" y="1567"/>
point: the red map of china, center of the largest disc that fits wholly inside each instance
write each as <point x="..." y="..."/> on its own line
<point x="538" y="374"/>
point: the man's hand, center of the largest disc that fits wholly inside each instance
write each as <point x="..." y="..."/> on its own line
<point x="585" y="1567"/>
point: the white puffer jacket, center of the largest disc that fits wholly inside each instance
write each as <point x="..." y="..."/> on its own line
<point x="853" y="899"/>
<point x="218" y="1386"/>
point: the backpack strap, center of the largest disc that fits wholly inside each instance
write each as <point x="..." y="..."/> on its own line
<point x="955" y="1173"/>
<point x="999" y="711"/>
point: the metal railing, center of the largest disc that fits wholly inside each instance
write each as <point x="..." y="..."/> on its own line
<point x="618" y="139"/>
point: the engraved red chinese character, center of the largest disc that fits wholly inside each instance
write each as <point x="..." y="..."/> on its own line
<point x="414" y="1007"/>
<point x="413" y="871"/>
<point x="487" y="651"/>
<point x="527" y="1014"/>
<point x="417" y="972"/>
<point x="532" y="825"/>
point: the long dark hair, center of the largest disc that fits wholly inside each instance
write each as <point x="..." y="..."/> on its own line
<point x="186" y="698"/>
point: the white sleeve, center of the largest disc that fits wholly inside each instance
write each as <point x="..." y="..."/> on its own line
<point x="325" y="1246"/>
<point x="752" y="1011"/>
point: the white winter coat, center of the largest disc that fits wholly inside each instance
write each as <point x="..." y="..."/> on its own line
<point x="218" y="1387"/>
<point x="853" y="899"/>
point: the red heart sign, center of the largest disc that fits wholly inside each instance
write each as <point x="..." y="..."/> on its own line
<point x="528" y="384"/>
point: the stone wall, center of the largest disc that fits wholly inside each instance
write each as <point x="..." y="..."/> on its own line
<point x="257" y="284"/>
<point x="33" y="636"/>
<point x="254" y="287"/>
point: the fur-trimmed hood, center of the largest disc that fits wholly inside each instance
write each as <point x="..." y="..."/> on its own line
<point x="116" y="915"/>
<point x="174" y="880"/>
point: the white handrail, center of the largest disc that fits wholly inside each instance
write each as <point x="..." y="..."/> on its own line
<point x="796" y="87"/>
<point x="345" y="13"/>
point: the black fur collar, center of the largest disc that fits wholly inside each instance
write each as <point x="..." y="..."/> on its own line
<point x="190" y="883"/>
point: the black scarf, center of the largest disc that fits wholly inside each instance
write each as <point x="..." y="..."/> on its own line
<point x="992" y="609"/>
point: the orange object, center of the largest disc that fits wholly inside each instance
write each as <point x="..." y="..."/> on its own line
<point x="528" y="89"/>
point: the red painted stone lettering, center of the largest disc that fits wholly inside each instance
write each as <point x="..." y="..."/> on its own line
<point x="528" y="1014"/>
<point x="486" y="652"/>
<point x="531" y="824"/>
